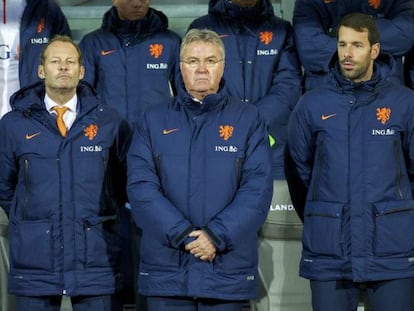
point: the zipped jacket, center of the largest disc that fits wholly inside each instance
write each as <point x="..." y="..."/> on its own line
<point x="261" y="65"/>
<point x="132" y="64"/>
<point x="41" y="21"/>
<point x="315" y="24"/>
<point x="61" y="195"/>
<point x="200" y="166"/>
<point x="350" y="172"/>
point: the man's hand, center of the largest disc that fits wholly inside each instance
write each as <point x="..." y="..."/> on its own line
<point x="201" y="247"/>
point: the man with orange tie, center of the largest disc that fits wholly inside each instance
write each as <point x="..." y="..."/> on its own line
<point x="62" y="178"/>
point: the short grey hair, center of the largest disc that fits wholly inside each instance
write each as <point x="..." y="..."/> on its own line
<point x="204" y="35"/>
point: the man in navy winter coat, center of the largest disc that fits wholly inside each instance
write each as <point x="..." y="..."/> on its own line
<point x="350" y="168"/>
<point x="262" y="67"/>
<point x="315" y="23"/>
<point x="200" y="185"/>
<point x="26" y="27"/>
<point x="132" y="61"/>
<point x="62" y="178"/>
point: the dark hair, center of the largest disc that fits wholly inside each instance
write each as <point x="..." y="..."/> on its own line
<point x="361" y="22"/>
<point x="61" y="38"/>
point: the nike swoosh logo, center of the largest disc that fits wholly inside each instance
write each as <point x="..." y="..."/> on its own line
<point x="326" y="117"/>
<point x="31" y="136"/>
<point x="166" y="132"/>
<point x="107" y="52"/>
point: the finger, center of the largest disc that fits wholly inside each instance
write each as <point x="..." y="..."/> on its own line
<point x="195" y="233"/>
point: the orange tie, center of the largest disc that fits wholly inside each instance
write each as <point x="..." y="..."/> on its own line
<point x="59" y="119"/>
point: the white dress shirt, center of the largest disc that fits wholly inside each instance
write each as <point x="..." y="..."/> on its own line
<point x="70" y="115"/>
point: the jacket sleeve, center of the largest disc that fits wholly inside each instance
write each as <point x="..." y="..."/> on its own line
<point x="397" y="28"/>
<point x="118" y="155"/>
<point x="8" y="171"/>
<point x="151" y="210"/>
<point x="249" y="208"/>
<point x="409" y="69"/>
<point x="314" y="44"/>
<point x="299" y="158"/>
<point x="88" y="58"/>
<point x="275" y="107"/>
<point x="60" y="23"/>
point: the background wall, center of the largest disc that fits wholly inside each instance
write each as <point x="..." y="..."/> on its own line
<point x="86" y="15"/>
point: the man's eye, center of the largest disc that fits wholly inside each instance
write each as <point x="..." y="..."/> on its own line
<point x="193" y="62"/>
<point x="210" y="62"/>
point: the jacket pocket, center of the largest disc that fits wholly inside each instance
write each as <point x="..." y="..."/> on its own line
<point x="31" y="245"/>
<point x="394" y="227"/>
<point x="322" y="228"/>
<point x="102" y="241"/>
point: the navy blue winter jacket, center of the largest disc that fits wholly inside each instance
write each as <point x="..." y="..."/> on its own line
<point x="132" y="64"/>
<point x="261" y="65"/>
<point x="61" y="195"/>
<point x="200" y="166"/>
<point x="352" y="149"/>
<point x="41" y="21"/>
<point x="315" y="24"/>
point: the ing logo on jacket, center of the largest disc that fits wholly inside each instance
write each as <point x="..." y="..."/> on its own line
<point x="91" y="131"/>
<point x="41" y="25"/>
<point x="156" y="50"/>
<point x="226" y="131"/>
<point x="383" y="114"/>
<point x="266" y="37"/>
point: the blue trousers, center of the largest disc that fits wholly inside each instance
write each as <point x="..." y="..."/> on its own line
<point x="52" y="303"/>
<point x="190" y="304"/>
<point x="343" y="295"/>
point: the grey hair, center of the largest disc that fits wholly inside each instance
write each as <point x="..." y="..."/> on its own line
<point x="203" y="35"/>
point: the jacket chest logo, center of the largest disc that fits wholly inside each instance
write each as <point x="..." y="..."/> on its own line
<point x="374" y="3"/>
<point x="226" y="131"/>
<point x="91" y="131"/>
<point x="266" y="37"/>
<point x="156" y="50"/>
<point x="41" y="25"/>
<point x="383" y="114"/>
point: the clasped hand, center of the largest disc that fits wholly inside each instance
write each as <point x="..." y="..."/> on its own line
<point x="201" y="247"/>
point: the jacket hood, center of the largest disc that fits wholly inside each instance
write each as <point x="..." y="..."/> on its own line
<point x="262" y="10"/>
<point x="384" y="69"/>
<point x="155" y="21"/>
<point x="31" y="98"/>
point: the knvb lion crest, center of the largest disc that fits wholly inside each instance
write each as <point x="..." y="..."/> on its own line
<point x="383" y="114"/>
<point x="225" y="131"/>
<point x="41" y="25"/>
<point x="266" y="37"/>
<point x="374" y="3"/>
<point x="156" y="50"/>
<point x="91" y="131"/>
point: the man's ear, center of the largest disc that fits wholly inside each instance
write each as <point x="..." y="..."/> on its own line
<point x="81" y="72"/>
<point x="40" y="72"/>
<point x="375" y="50"/>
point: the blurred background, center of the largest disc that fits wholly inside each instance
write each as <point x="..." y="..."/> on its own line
<point x="86" y="15"/>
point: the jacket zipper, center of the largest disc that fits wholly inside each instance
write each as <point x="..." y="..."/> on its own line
<point x="27" y="188"/>
<point x="318" y="173"/>
<point x="106" y="182"/>
<point x="398" y="177"/>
